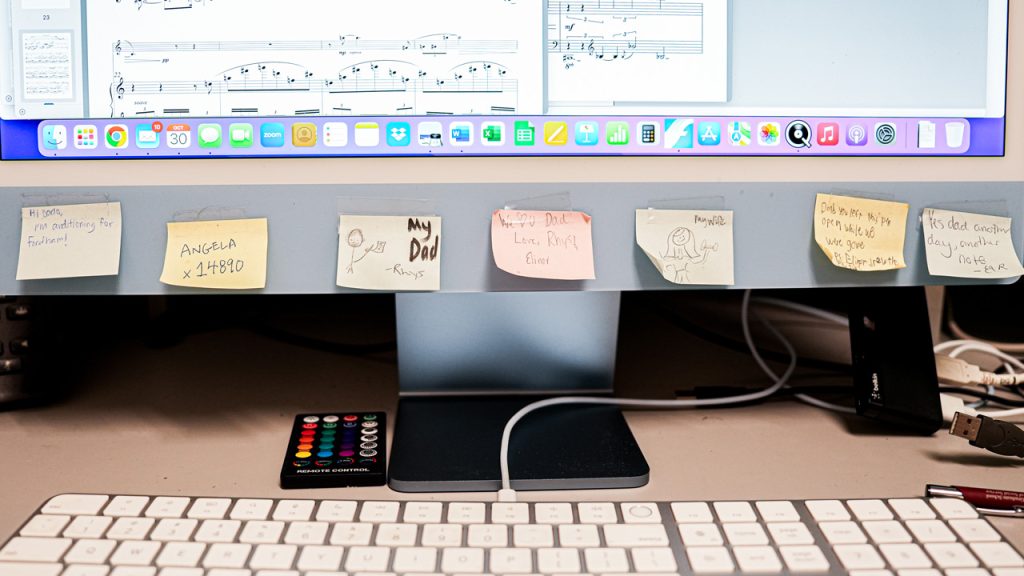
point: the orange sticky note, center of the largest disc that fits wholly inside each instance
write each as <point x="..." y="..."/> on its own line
<point x="538" y="244"/>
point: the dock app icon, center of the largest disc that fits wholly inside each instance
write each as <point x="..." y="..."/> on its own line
<point x="678" y="133"/>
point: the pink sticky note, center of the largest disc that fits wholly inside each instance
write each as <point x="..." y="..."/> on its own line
<point x="537" y="244"/>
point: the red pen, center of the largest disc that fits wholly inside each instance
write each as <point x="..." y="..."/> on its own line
<point x="988" y="502"/>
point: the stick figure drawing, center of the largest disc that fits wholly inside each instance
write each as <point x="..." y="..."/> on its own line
<point x="682" y="252"/>
<point x="355" y="241"/>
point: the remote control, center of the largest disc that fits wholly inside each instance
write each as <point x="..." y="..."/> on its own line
<point x="335" y="450"/>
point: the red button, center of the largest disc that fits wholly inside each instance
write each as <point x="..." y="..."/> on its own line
<point x="309" y="432"/>
<point x="351" y="418"/>
<point x="309" y="426"/>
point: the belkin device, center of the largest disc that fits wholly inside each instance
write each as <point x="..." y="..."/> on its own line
<point x="893" y="360"/>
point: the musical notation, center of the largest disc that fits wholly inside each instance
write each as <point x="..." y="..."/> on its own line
<point x="47" y="65"/>
<point x="165" y="4"/>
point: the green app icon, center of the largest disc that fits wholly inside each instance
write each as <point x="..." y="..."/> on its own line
<point x="492" y="134"/>
<point x="240" y="135"/>
<point x="618" y="133"/>
<point x="525" y="133"/>
<point x="209" y="136"/>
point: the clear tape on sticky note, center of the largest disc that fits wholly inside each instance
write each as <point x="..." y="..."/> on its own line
<point x="965" y="245"/>
<point x="393" y="253"/>
<point x="860" y="234"/>
<point x="217" y="254"/>
<point x="689" y="247"/>
<point x="70" y="241"/>
<point x="554" y="245"/>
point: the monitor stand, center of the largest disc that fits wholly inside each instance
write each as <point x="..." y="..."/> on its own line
<point x="468" y="362"/>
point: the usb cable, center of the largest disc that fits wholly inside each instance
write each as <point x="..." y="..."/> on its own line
<point x="993" y="435"/>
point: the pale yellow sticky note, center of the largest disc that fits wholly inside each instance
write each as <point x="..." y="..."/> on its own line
<point x="536" y="244"/>
<point x="394" y="253"/>
<point x="70" y="241"/>
<point x="963" y="245"/>
<point x="688" y="246"/>
<point x="861" y="234"/>
<point x="218" y="254"/>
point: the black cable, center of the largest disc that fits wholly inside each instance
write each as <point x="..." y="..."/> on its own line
<point x="1008" y="402"/>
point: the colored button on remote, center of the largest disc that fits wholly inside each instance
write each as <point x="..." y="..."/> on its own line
<point x="330" y="419"/>
<point x="351" y="418"/>
<point x="303" y="454"/>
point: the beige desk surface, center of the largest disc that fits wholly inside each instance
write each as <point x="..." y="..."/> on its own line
<point x="211" y="417"/>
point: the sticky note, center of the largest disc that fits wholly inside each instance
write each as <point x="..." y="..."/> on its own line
<point x="860" y="234"/>
<point x="536" y="244"/>
<point x="394" y="253"/>
<point x="963" y="245"/>
<point x="688" y="246"/>
<point x="217" y="254"/>
<point x="70" y="241"/>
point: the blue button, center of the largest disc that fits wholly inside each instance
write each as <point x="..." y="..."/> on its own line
<point x="272" y="135"/>
<point x="324" y="454"/>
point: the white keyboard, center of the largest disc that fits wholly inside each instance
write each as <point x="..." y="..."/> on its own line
<point x="96" y="535"/>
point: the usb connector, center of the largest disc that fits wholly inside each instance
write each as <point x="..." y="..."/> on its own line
<point x="995" y="436"/>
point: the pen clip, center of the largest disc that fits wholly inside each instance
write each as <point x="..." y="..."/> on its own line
<point x="1017" y="512"/>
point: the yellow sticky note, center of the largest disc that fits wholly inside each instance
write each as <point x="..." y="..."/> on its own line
<point x="219" y="254"/>
<point x="395" y="253"/>
<point x="860" y="234"/>
<point x="72" y="241"/>
<point x="963" y="245"/>
<point x="688" y="246"/>
<point x="551" y="245"/>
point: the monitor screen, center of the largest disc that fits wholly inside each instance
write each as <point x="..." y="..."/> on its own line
<point x="254" y="78"/>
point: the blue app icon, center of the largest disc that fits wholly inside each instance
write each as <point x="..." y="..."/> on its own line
<point x="146" y="137"/>
<point x="272" y="135"/>
<point x="587" y="134"/>
<point x="709" y="133"/>
<point x="399" y="134"/>
<point x="55" y="137"/>
<point x="678" y="133"/>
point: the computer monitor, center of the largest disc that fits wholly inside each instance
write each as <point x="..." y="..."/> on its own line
<point x="207" y="109"/>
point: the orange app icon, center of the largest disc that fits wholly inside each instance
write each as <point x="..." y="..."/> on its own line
<point x="304" y="134"/>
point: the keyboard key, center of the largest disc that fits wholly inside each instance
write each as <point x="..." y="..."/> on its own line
<point x="758" y="559"/>
<point x="828" y="510"/>
<point x="90" y="552"/>
<point x="843" y="533"/>
<point x="135" y="553"/>
<point x="311" y="532"/>
<point x="578" y="536"/>
<point x="804" y="559"/>
<point x="422" y="512"/>
<point x="859" y="557"/>
<point x="597" y="513"/>
<point x="462" y="560"/>
<point x="710" y="560"/>
<point x="176" y="571"/>
<point x="274" y="557"/>
<point x="296" y="510"/>
<point x="912" y="509"/>
<point x="778" y="512"/>
<point x="218" y="531"/>
<point x="654" y="560"/>
<point x="735" y="512"/>
<point x="745" y="534"/>
<point x="998" y="555"/>
<point x="919" y="572"/>
<point x="395" y="535"/>
<point x="250" y="509"/>
<point x="511" y="561"/>
<point x="904" y="556"/>
<point x="133" y="571"/>
<point x="790" y="533"/>
<point x="700" y="535"/>
<point x="209" y="508"/>
<point x="967" y="572"/>
<point x="510" y="513"/>
<point x="88" y="527"/>
<point x="351" y="534"/>
<point x="606" y="560"/>
<point x="45" y="525"/>
<point x="929" y="531"/>
<point x="558" y="561"/>
<point x="635" y="536"/>
<point x="533" y="536"/>
<point x="553" y="513"/>
<point x="1008" y="572"/>
<point x="641" y="513"/>
<point x="130" y="528"/>
<point x="337" y="511"/>
<point x="20" y="549"/>
<point x="321" y="558"/>
<point x="126" y="506"/>
<point x="692" y="512"/>
<point x="224" y="555"/>
<point x="181" y="554"/>
<point x="26" y="569"/>
<point x="174" y="530"/>
<point x="866" y="510"/>
<point x="467" y="513"/>
<point x="442" y="535"/>
<point x="75" y="504"/>
<point x="487" y="536"/>
<point x="887" y="532"/>
<point x="953" y="555"/>
<point x="415" y="560"/>
<point x="953" y="509"/>
<point x="975" y="531"/>
<point x="83" y="570"/>
<point x="167" y="507"/>
<point x="259" y="532"/>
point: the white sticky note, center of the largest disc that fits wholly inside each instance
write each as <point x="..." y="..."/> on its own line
<point x="394" y="253"/>
<point x="72" y="241"/>
<point x="217" y="254"/>
<point x="963" y="245"/>
<point x="688" y="246"/>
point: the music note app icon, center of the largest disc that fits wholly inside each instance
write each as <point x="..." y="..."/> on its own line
<point x="828" y="134"/>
